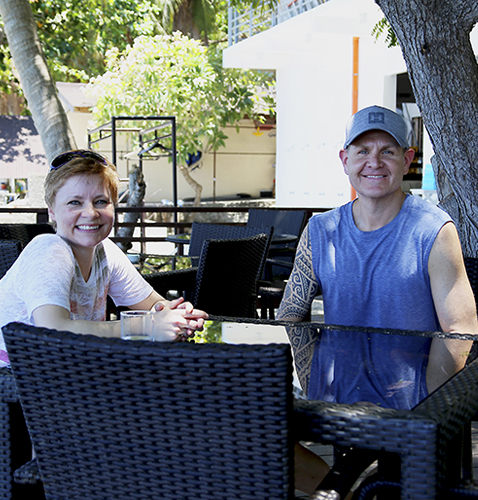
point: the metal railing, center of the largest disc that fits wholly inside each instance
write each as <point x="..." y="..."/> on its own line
<point x="244" y="24"/>
<point x="181" y="219"/>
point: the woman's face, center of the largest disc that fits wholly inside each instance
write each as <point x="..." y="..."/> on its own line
<point x="83" y="211"/>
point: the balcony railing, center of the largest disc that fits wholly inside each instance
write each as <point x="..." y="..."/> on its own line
<point x="175" y="220"/>
<point x="248" y="23"/>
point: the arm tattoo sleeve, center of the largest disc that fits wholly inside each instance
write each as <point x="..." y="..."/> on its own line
<point x="298" y="296"/>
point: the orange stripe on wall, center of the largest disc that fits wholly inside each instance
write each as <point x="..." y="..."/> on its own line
<point x="355" y="75"/>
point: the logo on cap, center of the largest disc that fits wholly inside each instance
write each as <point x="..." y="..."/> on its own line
<point x="376" y="117"/>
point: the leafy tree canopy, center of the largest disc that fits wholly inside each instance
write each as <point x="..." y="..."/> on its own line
<point x="254" y="4"/>
<point x="76" y="34"/>
<point x="202" y="19"/>
<point x="176" y="75"/>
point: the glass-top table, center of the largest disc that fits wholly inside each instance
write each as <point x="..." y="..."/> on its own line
<point x="360" y="402"/>
<point x="424" y="437"/>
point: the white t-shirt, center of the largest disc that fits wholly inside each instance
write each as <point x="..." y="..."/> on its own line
<point x="47" y="273"/>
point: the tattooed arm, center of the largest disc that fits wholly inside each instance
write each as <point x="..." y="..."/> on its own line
<point x="298" y="296"/>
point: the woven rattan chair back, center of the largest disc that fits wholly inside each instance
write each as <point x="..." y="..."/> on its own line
<point x="283" y="221"/>
<point x="184" y="280"/>
<point x="24" y="232"/>
<point x="281" y="255"/>
<point x="226" y="280"/>
<point x="202" y="231"/>
<point x="9" y="251"/>
<point x="147" y="420"/>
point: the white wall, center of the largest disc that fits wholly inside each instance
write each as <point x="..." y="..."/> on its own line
<point x="79" y="126"/>
<point x="313" y="57"/>
<point x="245" y="165"/>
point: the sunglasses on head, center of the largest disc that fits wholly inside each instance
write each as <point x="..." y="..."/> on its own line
<point x="64" y="158"/>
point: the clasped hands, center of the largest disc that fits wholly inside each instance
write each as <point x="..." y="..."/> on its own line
<point x="177" y="320"/>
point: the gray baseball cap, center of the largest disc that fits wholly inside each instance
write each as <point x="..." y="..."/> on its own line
<point x="377" y="118"/>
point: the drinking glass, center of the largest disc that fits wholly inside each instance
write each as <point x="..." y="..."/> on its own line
<point x="137" y="325"/>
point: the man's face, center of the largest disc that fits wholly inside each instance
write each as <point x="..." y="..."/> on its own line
<point x="376" y="164"/>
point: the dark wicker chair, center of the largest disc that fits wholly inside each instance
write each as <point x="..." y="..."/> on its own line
<point x="281" y="256"/>
<point x="143" y="420"/>
<point x="9" y="251"/>
<point x="225" y="281"/>
<point x="15" y="445"/>
<point x="471" y="265"/>
<point x="115" y="419"/>
<point x="202" y="231"/>
<point x="24" y="233"/>
<point x="290" y="222"/>
<point x="184" y="282"/>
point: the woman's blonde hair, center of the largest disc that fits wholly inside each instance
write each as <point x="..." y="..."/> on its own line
<point x="80" y="162"/>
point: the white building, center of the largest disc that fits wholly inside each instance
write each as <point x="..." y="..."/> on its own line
<point x="246" y="166"/>
<point x="313" y="54"/>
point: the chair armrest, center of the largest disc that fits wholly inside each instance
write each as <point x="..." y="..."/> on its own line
<point x="454" y="404"/>
<point x="28" y="473"/>
<point x="280" y="262"/>
<point x="182" y="280"/>
<point x="339" y="424"/>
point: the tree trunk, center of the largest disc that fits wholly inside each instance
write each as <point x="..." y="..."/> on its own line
<point x="40" y="90"/>
<point x="137" y="190"/>
<point x="195" y="185"/>
<point x="435" y="41"/>
<point x="184" y="20"/>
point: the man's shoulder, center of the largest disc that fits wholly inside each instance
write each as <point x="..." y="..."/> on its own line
<point x="333" y="213"/>
<point x="331" y="218"/>
<point x="418" y="207"/>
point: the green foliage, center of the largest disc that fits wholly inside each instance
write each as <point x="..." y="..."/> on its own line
<point x="254" y="4"/>
<point x="173" y="75"/>
<point x="155" y="264"/>
<point x="76" y="34"/>
<point x="212" y="333"/>
<point x="209" y="17"/>
<point x="7" y="77"/>
<point x="383" y="27"/>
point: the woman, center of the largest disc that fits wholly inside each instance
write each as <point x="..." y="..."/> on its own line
<point x="61" y="280"/>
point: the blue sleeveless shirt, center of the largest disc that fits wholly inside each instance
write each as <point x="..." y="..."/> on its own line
<point x="377" y="279"/>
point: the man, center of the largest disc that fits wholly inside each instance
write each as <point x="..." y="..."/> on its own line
<point x="385" y="260"/>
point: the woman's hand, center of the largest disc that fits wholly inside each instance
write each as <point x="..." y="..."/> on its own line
<point x="177" y="320"/>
